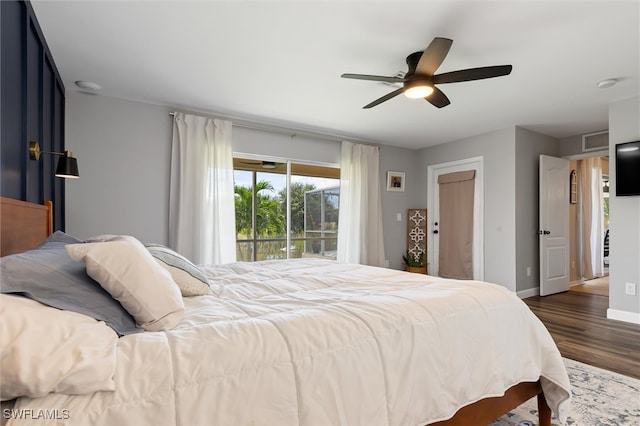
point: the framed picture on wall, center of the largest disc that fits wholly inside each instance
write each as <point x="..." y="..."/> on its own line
<point x="395" y="181"/>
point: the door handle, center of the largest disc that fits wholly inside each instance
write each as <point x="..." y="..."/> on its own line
<point x="545" y="232"/>
<point x="435" y="232"/>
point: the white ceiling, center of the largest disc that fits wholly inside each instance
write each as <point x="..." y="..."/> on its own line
<point x="279" y="62"/>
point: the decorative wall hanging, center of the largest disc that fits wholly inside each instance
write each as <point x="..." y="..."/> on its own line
<point x="417" y="239"/>
<point x="573" y="187"/>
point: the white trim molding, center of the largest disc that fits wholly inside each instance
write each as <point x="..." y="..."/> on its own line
<point x="615" y="314"/>
<point x="530" y="292"/>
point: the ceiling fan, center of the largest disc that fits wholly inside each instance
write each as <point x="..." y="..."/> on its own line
<point x="420" y="80"/>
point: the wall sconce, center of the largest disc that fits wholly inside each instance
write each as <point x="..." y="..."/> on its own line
<point x="67" y="165"/>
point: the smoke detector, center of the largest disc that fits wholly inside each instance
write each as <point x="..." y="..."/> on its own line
<point x="89" y="86"/>
<point x="603" y="84"/>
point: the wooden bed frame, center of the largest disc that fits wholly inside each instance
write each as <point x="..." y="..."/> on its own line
<point x="24" y="225"/>
<point x="487" y="410"/>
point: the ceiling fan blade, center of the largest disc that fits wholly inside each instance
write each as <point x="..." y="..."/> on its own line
<point x="433" y="56"/>
<point x="472" y="74"/>
<point x="384" y="98"/>
<point x="438" y="98"/>
<point x="373" y="78"/>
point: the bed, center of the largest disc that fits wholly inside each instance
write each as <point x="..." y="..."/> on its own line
<point x="306" y="341"/>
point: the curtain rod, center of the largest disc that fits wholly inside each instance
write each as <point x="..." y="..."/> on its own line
<point x="285" y="131"/>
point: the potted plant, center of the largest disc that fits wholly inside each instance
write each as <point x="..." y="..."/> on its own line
<point x="414" y="263"/>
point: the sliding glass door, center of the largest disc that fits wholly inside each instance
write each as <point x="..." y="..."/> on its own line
<point x="285" y="209"/>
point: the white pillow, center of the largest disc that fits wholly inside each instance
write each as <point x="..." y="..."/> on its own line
<point x="100" y="238"/>
<point x="191" y="280"/>
<point x="125" y="269"/>
<point x="44" y="349"/>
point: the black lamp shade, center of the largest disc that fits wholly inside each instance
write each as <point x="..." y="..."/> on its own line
<point x="67" y="167"/>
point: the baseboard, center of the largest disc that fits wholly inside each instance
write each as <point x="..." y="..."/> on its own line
<point x="530" y="292"/>
<point x="615" y="314"/>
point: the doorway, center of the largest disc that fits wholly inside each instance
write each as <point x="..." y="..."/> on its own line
<point x="597" y="283"/>
<point x="474" y="164"/>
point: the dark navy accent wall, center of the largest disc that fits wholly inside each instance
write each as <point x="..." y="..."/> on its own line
<point x="32" y="109"/>
<point x="12" y="18"/>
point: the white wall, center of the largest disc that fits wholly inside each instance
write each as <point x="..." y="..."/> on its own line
<point x="124" y="153"/>
<point x="570" y="146"/>
<point x="624" y="214"/>
<point x="498" y="150"/>
<point x="529" y="146"/>
<point x="395" y="232"/>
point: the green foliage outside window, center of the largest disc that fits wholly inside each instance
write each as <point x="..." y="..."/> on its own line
<point x="297" y="206"/>
<point x="268" y="240"/>
<point x="269" y="221"/>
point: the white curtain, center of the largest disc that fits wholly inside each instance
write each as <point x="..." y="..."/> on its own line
<point x="592" y="218"/>
<point x="201" y="199"/>
<point x="360" y="238"/>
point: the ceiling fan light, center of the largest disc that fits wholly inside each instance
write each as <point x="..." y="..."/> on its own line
<point x="417" y="89"/>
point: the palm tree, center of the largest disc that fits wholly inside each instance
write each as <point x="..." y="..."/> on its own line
<point x="269" y="221"/>
<point x="243" y="204"/>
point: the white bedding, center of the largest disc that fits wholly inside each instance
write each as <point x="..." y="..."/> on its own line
<point x="317" y="342"/>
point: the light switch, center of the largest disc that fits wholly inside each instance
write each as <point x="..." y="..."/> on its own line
<point x="399" y="217"/>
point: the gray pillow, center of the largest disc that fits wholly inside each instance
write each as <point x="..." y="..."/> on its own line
<point x="48" y="275"/>
<point x="61" y="237"/>
<point x="191" y="280"/>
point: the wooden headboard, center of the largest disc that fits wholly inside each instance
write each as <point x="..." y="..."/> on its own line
<point x="23" y="225"/>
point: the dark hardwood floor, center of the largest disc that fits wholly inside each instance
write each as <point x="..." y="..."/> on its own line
<point x="578" y="323"/>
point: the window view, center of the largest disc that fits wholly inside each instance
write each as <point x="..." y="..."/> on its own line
<point x="261" y="210"/>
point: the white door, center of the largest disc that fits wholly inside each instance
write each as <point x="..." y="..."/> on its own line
<point x="554" y="225"/>
<point x="433" y="213"/>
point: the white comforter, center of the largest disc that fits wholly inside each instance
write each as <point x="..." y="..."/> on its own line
<point x="316" y="342"/>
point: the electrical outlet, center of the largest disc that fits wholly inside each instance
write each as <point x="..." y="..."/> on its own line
<point x="630" y="289"/>
<point x="528" y="271"/>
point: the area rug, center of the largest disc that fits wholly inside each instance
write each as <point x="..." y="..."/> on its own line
<point x="600" y="398"/>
